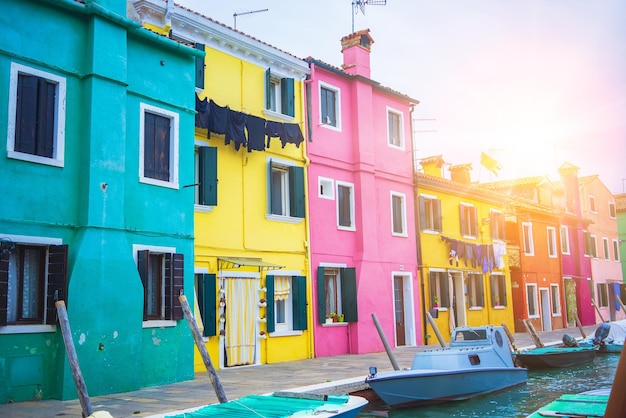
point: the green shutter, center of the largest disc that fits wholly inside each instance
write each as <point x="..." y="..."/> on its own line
<point x="422" y="213"/>
<point x="268" y="88"/>
<point x="296" y="192"/>
<point x="174" y="285"/>
<point x="321" y="296"/>
<point x="269" y="310"/>
<point x="57" y="280"/>
<point x="349" y="306"/>
<point x="287" y="98"/>
<point x="463" y="222"/>
<point x="437" y="215"/>
<point x="208" y="175"/>
<point x="142" y="266"/>
<point x="298" y="294"/>
<point x="200" y="67"/>
<point x="269" y="187"/>
<point x="4" y="287"/>
<point x="207" y="295"/>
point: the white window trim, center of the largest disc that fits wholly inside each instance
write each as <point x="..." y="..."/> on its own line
<point x="159" y="323"/>
<point x="400" y="129"/>
<point x="592" y="198"/>
<point x="329" y="185"/>
<point x="565" y="229"/>
<point x="615" y="249"/>
<point x="402" y="196"/>
<point x="552" y="237"/>
<point x="606" y="249"/>
<point x="536" y="300"/>
<point x="352" y="211"/>
<point x="58" y="159"/>
<point x="337" y="91"/>
<point x="614" y="206"/>
<point x="174" y="145"/>
<point x="531" y="243"/>
<point x="469" y="205"/>
<point x="559" y="313"/>
<point x="270" y="216"/>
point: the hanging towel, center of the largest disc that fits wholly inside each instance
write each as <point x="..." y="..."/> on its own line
<point x="235" y="129"/>
<point x="256" y="133"/>
<point x="202" y="113"/>
<point x="218" y="118"/>
<point x="274" y="130"/>
<point x="293" y="135"/>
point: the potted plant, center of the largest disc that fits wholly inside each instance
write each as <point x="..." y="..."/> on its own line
<point x="329" y="318"/>
<point x="436" y="301"/>
<point x="340" y="317"/>
<point x="496" y="301"/>
<point x="334" y="316"/>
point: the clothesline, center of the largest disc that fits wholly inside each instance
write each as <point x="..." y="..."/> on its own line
<point x="484" y="256"/>
<point x="243" y="129"/>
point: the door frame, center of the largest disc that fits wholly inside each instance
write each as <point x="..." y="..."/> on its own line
<point x="546" y="311"/>
<point x="410" y="335"/>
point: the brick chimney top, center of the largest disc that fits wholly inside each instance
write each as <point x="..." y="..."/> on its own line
<point x="461" y="173"/>
<point x="432" y="165"/>
<point x="356" y="49"/>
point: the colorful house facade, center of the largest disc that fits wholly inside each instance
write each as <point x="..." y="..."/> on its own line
<point x="94" y="210"/>
<point x="253" y="285"/>
<point x="620" y="206"/>
<point x="464" y="268"/>
<point x="360" y="192"/>
<point x="598" y="204"/>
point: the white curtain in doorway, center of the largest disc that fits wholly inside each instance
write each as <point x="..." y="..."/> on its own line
<point x="451" y="308"/>
<point x="241" y="307"/>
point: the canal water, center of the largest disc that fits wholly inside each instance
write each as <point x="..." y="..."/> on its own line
<point x="542" y="387"/>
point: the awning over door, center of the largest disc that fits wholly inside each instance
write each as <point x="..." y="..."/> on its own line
<point x="237" y="262"/>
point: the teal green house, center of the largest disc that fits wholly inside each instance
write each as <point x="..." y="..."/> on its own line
<point x="97" y="125"/>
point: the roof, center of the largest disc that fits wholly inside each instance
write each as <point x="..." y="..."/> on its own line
<point x="620" y="202"/>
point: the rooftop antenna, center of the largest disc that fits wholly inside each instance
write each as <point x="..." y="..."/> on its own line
<point x="246" y="13"/>
<point x="360" y="5"/>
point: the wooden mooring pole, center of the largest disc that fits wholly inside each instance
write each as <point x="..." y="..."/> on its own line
<point x="432" y="323"/>
<point x="81" y="388"/>
<point x="381" y="333"/>
<point x="533" y="333"/>
<point x="597" y="310"/>
<point x="197" y="336"/>
<point x="509" y="336"/>
<point x="580" y="327"/>
<point x="616" y="406"/>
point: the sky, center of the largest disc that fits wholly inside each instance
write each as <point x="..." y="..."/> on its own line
<point x="532" y="83"/>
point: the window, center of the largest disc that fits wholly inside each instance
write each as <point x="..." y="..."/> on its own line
<point x="469" y="224"/>
<point x="286" y="303"/>
<point x="329" y="106"/>
<point x="555" y="298"/>
<point x="162" y="274"/>
<point x="345" y="206"/>
<point x="286" y="189"/>
<point x="394" y="129"/>
<point x="200" y="67"/>
<point x="326" y="188"/>
<point x="531" y="296"/>
<point x="205" y="180"/>
<point x="336" y="293"/>
<point x="552" y="242"/>
<point x="603" y="295"/>
<point x="564" y="240"/>
<point x="612" y="212"/>
<point x="605" y="247"/>
<point x="496" y="224"/>
<point x="398" y="214"/>
<point x="615" y="250"/>
<point x="498" y="290"/>
<point x="475" y="290"/>
<point x="36" y="126"/>
<point x="439" y="290"/>
<point x="592" y="204"/>
<point x="527" y="235"/>
<point x="33" y="277"/>
<point x="279" y="94"/>
<point x="206" y="295"/>
<point x="158" y="151"/>
<point x="430" y="213"/>
<point x="587" y="242"/>
<point x="593" y="246"/>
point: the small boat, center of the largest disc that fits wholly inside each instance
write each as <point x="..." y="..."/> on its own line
<point x="555" y="356"/>
<point x="608" y="338"/>
<point x="478" y="361"/>
<point x="278" y="404"/>
<point x="586" y="404"/>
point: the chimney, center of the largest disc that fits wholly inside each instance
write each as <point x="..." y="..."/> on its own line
<point x="569" y="178"/>
<point x="356" y="49"/>
<point x="432" y="165"/>
<point x="461" y="173"/>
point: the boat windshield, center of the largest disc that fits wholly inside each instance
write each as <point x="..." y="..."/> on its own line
<point x="470" y="335"/>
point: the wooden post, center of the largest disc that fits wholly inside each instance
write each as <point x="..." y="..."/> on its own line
<point x="197" y="336"/>
<point x="533" y="333"/>
<point x="580" y="327"/>
<point x="381" y="333"/>
<point x="81" y="388"/>
<point x="509" y="336"/>
<point x="616" y="407"/>
<point x="432" y="323"/>
<point x="597" y="310"/>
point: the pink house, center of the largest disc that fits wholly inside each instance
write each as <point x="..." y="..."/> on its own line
<point x="360" y="184"/>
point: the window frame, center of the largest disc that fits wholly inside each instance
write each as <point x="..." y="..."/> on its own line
<point x="592" y="204"/>
<point x="346" y="292"/>
<point x="603" y="295"/>
<point x="325" y="188"/>
<point x="564" y="237"/>
<point x="430" y="214"/>
<point x="58" y="146"/>
<point x="593" y="246"/>
<point x="476" y="290"/>
<point x="205" y="177"/>
<point x="282" y="90"/>
<point x="616" y="255"/>
<point x="399" y="143"/>
<point x="439" y="289"/>
<point x="328" y="124"/>
<point x="172" y="182"/>
<point x="498" y="290"/>
<point x="527" y="238"/>
<point x="612" y="210"/>
<point x="338" y="206"/>
<point x="535" y="300"/>
<point x="551" y="241"/>
<point x="295" y="305"/>
<point x="496" y="225"/>
<point x="402" y="213"/>
<point x="605" y="248"/>
<point x="468" y="220"/>
<point x="291" y="189"/>
<point x="555" y="300"/>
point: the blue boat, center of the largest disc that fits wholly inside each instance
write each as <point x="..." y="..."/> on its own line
<point x="278" y="405"/>
<point x="478" y="361"/>
<point x="608" y="338"/>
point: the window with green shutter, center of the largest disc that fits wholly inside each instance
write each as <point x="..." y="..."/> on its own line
<point x="279" y="94"/>
<point x="286" y="190"/>
<point x="206" y="291"/>
<point x="200" y="67"/>
<point x="286" y="303"/>
<point x="206" y="176"/>
<point x="336" y="293"/>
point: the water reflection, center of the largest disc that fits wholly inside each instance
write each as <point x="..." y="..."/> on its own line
<point x="542" y="387"/>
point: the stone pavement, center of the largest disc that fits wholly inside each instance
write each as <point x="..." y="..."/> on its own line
<point x="339" y="374"/>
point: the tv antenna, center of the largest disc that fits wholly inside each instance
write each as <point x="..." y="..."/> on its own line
<point x="246" y="13"/>
<point x="360" y="5"/>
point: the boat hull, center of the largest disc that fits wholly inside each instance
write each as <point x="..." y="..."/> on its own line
<point x="586" y="404"/>
<point x="414" y="387"/>
<point x="546" y="358"/>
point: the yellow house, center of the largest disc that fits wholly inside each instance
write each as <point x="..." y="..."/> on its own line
<point x="251" y="227"/>
<point x="463" y="263"/>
